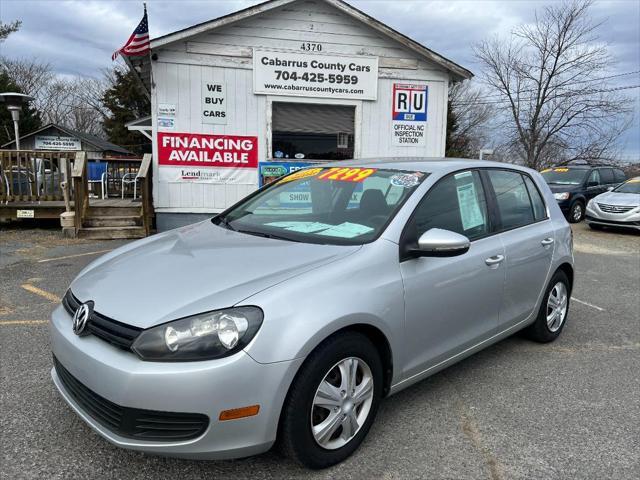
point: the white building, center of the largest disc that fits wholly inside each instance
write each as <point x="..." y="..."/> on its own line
<point x="285" y="80"/>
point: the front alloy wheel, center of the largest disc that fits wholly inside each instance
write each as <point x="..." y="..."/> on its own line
<point x="332" y="401"/>
<point x="576" y="213"/>
<point x="342" y="403"/>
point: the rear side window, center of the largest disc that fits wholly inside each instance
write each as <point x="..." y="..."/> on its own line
<point x="456" y="203"/>
<point x="606" y="175"/>
<point x="619" y="176"/>
<point x="539" y="209"/>
<point x="513" y="198"/>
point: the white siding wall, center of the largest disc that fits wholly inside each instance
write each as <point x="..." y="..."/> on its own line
<point x="226" y="56"/>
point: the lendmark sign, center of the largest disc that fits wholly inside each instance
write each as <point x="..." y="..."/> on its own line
<point x="197" y="150"/>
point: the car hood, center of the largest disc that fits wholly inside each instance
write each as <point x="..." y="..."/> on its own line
<point x="619" y="199"/>
<point x="192" y="270"/>
<point x="558" y="188"/>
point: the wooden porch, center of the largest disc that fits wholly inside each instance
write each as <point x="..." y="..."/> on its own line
<point x="49" y="185"/>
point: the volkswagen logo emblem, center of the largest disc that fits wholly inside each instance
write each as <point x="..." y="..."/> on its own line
<point x="81" y="317"/>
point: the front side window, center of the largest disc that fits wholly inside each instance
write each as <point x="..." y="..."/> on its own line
<point x="456" y="203"/>
<point x="512" y="198"/>
<point x="594" y="179"/>
<point x="339" y="205"/>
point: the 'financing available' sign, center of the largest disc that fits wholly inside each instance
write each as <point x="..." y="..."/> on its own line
<point x="315" y="75"/>
<point x="202" y="158"/>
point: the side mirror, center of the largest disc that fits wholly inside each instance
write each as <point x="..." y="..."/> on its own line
<point x="610" y="189"/>
<point x="592" y="184"/>
<point x="437" y="242"/>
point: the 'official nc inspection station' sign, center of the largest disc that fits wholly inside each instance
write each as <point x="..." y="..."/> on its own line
<point x="335" y="76"/>
<point x="409" y="115"/>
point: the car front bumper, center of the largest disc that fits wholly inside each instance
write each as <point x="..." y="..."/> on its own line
<point x="596" y="216"/>
<point x="207" y="387"/>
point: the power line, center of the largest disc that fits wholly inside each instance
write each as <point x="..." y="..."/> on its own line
<point x="576" y="82"/>
<point x="506" y="100"/>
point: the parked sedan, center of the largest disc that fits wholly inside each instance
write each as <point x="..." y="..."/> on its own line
<point x="619" y="207"/>
<point x="290" y="316"/>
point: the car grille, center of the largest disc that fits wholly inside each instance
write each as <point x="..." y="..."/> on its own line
<point x="614" y="208"/>
<point x="114" y="332"/>
<point x="132" y="422"/>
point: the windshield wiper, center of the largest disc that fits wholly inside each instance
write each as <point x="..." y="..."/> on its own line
<point x="225" y="222"/>
<point x="267" y="235"/>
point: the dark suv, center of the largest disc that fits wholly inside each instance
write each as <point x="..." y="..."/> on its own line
<point x="574" y="185"/>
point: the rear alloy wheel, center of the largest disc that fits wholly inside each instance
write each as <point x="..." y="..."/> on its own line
<point x="332" y="401"/>
<point x="576" y="212"/>
<point x="553" y="312"/>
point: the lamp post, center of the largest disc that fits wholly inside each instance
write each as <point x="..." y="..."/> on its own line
<point x="486" y="151"/>
<point x="14" y="102"/>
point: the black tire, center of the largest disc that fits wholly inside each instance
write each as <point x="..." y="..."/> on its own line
<point x="576" y="212"/>
<point x="296" y="438"/>
<point x="595" y="226"/>
<point x="539" y="330"/>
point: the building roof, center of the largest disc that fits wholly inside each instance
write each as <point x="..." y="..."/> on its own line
<point x="99" y="143"/>
<point x="142" y="67"/>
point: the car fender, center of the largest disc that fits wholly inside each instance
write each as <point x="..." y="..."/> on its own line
<point x="303" y="311"/>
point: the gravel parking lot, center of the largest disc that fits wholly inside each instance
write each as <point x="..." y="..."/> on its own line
<point x="570" y="409"/>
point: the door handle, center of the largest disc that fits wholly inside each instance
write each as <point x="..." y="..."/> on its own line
<point x="547" y="241"/>
<point x="495" y="260"/>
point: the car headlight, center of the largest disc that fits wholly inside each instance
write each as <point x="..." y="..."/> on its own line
<point x="590" y="203"/>
<point x="200" y="337"/>
<point x="562" y="196"/>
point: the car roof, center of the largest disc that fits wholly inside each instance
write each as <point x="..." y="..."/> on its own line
<point x="422" y="164"/>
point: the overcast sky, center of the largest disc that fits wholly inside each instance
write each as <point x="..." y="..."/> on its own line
<point x="78" y="37"/>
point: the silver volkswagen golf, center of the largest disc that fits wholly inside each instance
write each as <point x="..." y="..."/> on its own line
<point x="288" y="318"/>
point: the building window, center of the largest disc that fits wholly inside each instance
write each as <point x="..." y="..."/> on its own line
<point x="312" y="132"/>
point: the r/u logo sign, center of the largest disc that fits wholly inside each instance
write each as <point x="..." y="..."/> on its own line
<point x="410" y="102"/>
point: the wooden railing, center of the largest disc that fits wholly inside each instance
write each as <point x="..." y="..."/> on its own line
<point x="144" y="176"/>
<point x="80" y="188"/>
<point x="29" y="175"/>
<point x="117" y="169"/>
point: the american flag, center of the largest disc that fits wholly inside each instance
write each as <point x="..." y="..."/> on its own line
<point x="138" y="43"/>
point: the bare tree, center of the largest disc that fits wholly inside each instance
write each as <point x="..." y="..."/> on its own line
<point x="73" y="102"/>
<point x="7" y="29"/>
<point x="467" y="120"/>
<point x="549" y="80"/>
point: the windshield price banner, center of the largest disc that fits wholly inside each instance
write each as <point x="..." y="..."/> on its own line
<point x="313" y="75"/>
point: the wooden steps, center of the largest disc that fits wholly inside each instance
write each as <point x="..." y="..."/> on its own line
<point x="111" y="233"/>
<point x="112" y="222"/>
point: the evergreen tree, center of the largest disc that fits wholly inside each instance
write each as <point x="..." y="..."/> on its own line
<point x="126" y="102"/>
<point x="29" y="117"/>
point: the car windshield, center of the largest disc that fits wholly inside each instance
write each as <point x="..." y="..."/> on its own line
<point x="564" y="176"/>
<point x="339" y="205"/>
<point x="630" y="186"/>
